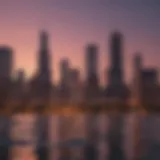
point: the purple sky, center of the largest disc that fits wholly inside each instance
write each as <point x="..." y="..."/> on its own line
<point x="72" y="24"/>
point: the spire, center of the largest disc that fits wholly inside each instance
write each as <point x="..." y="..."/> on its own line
<point x="43" y="40"/>
<point x="44" y="59"/>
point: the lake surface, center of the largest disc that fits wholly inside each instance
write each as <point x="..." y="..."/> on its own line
<point x="128" y="136"/>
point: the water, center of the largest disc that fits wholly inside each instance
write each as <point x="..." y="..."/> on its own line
<point x="103" y="137"/>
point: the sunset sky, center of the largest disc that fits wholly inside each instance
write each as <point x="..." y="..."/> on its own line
<point x="72" y="24"/>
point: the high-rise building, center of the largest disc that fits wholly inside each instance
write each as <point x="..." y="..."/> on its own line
<point x="92" y="79"/>
<point x="6" y="62"/>
<point x="21" y="78"/>
<point x="75" y="75"/>
<point x="75" y="86"/>
<point x="150" y="77"/>
<point x="116" y="57"/>
<point x="42" y="83"/>
<point x="64" y="71"/>
<point x="64" y="90"/>
<point x="116" y="86"/>
<point x="44" y="59"/>
<point x="150" y="89"/>
<point x="6" y="66"/>
<point x="92" y="60"/>
<point x="19" y="86"/>
<point x="145" y="84"/>
<point x="137" y="83"/>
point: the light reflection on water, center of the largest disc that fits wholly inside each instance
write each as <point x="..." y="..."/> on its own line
<point x="137" y="136"/>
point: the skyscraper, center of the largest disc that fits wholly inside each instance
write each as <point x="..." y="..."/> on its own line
<point x="92" y="60"/>
<point x="64" y="72"/>
<point x="116" y="57"/>
<point x="64" y="90"/>
<point x="75" y="86"/>
<point x="5" y="73"/>
<point x="150" y="89"/>
<point x="41" y="84"/>
<point x="44" y="58"/>
<point x="116" y="86"/>
<point x="137" y="86"/>
<point x="19" y="85"/>
<point x="92" y="81"/>
<point x="146" y="88"/>
<point x="6" y="62"/>
<point x="21" y="78"/>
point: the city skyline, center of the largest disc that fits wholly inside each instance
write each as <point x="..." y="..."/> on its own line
<point x="56" y="69"/>
<point x="72" y="29"/>
<point x="79" y="79"/>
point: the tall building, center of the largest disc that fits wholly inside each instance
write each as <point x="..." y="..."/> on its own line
<point x="64" y="71"/>
<point x="145" y="87"/>
<point x="136" y="89"/>
<point x="41" y="84"/>
<point x="116" y="86"/>
<point x="92" y="60"/>
<point x="70" y="87"/>
<point x="75" y="86"/>
<point x="44" y="59"/>
<point x="21" y="76"/>
<point x="6" y="62"/>
<point x="19" y="86"/>
<point x="6" y="66"/>
<point x="64" y="90"/>
<point x="116" y="57"/>
<point x="92" y="79"/>
<point x="150" y="77"/>
<point x="150" y="88"/>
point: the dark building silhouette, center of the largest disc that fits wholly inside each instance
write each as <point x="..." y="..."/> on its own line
<point x="6" y="66"/>
<point x="150" y="77"/>
<point x="64" y="90"/>
<point x="137" y="83"/>
<point x="41" y="83"/>
<point x="116" y="86"/>
<point x="21" y="76"/>
<point x="146" y="88"/>
<point x="64" y="72"/>
<point x="75" y="75"/>
<point x="150" y="88"/>
<point x="44" y="71"/>
<point x="19" y="85"/>
<point x="116" y="50"/>
<point x="6" y="62"/>
<point x="75" y="86"/>
<point x="92" y="79"/>
<point x="44" y="59"/>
